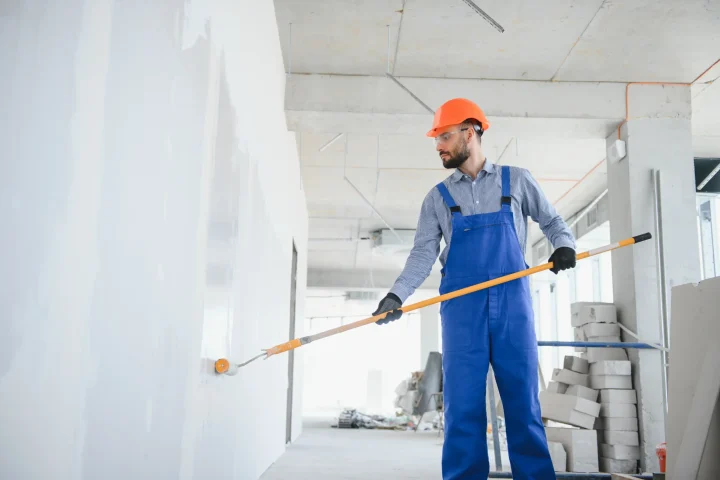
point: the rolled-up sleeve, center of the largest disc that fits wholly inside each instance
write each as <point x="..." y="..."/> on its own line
<point x="424" y="253"/>
<point x="536" y="206"/>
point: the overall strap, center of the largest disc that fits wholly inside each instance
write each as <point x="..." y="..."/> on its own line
<point x="448" y="199"/>
<point x="506" y="200"/>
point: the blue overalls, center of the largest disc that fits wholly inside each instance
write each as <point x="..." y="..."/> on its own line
<point x="493" y="325"/>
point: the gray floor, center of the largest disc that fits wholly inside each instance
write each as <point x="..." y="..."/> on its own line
<point x="323" y="453"/>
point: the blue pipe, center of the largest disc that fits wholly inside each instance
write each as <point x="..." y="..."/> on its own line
<point x="551" y="343"/>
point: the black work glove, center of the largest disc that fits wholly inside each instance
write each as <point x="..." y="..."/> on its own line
<point x="562" y="259"/>
<point x="391" y="303"/>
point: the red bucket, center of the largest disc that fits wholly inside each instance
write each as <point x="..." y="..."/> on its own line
<point x="662" y="454"/>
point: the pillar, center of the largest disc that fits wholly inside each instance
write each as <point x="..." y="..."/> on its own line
<point x="429" y="332"/>
<point x="658" y="135"/>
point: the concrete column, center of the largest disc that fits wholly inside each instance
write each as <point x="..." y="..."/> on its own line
<point x="658" y="136"/>
<point x="429" y="332"/>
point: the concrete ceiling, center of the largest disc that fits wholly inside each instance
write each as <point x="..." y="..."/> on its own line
<point x="566" y="40"/>
<point x="553" y="86"/>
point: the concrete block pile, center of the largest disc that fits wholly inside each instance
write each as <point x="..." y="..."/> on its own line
<point x="568" y="400"/>
<point x="593" y="392"/>
<point x="618" y="427"/>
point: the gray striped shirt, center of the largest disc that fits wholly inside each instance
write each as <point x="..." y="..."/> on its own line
<point x="481" y="196"/>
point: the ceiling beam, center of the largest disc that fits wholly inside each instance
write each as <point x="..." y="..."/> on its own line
<point x="376" y="104"/>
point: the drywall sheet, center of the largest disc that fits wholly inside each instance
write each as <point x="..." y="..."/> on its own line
<point x="694" y="335"/>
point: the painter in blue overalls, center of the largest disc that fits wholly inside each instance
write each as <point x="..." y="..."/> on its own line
<point x="481" y="210"/>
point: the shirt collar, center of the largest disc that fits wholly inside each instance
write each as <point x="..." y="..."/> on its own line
<point x="488" y="168"/>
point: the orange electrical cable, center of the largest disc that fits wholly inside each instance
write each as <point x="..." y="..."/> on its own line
<point x="579" y="181"/>
<point x="705" y="71"/>
<point x="627" y="91"/>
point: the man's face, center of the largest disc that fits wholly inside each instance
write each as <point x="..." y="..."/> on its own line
<point x="452" y="148"/>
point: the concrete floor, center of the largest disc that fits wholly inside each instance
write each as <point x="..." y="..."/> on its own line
<point x="323" y="453"/>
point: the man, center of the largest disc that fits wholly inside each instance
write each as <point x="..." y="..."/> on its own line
<point x="481" y="210"/>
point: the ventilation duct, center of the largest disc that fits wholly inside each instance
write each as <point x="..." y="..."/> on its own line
<point x="386" y="242"/>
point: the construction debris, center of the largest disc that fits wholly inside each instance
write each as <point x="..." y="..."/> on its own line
<point x="418" y="394"/>
<point x="594" y="391"/>
<point x="351" y="418"/>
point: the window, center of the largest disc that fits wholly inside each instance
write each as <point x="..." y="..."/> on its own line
<point x="707" y="181"/>
<point x="708" y="208"/>
<point x="589" y="281"/>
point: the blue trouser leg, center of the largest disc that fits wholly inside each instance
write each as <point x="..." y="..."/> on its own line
<point x="465" y="366"/>
<point x="515" y="363"/>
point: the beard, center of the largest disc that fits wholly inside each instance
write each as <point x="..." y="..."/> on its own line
<point x="456" y="157"/>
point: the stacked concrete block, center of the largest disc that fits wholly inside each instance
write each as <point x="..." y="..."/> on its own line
<point x="596" y="322"/>
<point x="610" y="374"/>
<point x="595" y="355"/>
<point x="568" y="377"/>
<point x="568" y="399"/>
<point x="617" y="424"/>
<point x="584" y="392"/>
<point x="610" y="384"/>
<point x="579" y="335"/>
<point x="557" y="387"/>
<point x="582" y="313"/>
<point x="595" y="330"/>
<point x="558" y="456"/>
<point x="576" y="364"/>
<point x="569" y="409"/>
<point x="580" y="446"/>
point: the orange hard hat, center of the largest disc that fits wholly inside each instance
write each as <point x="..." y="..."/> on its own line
<point x="454" y="112"/>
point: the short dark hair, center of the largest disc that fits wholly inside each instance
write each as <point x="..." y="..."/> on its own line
<point x="475" y="125"/>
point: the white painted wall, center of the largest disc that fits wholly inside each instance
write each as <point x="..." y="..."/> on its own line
<point x="149" y="195"/>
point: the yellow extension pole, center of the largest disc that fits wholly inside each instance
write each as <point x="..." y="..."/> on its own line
<point x="224" y="366"/>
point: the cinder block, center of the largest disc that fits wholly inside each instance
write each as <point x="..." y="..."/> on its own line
<point x="618" y="396"/>
<point x="565" y="414"/>
<point x="558" y="456"/>
<point x="584" y="392"/>
<point x="617" y="437"/>
<point x="611" y="367"/>
<point x="605" y="339"/>
<point x="619" y="452"/>
<point x="601" y="330"/>
<point x="601" y="382"/>
<point x="617" y="424"/>
<point x="580" y="445"/>
<point x="582" y="313"/>
<point x="571" y="402"/>
<point x="557" y="387"/>
<point x="576" y="364"/>
<point x="569" y="377"/>
<point x="618" y="410"/>
<point x="579" y="335"/>
<point x="609" y="465"/>
<point x="599" y="354"/>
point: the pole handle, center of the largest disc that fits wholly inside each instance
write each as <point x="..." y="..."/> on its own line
<point x="297" y="342"/>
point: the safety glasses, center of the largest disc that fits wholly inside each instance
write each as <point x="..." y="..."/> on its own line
<point x="444" y="137"/>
